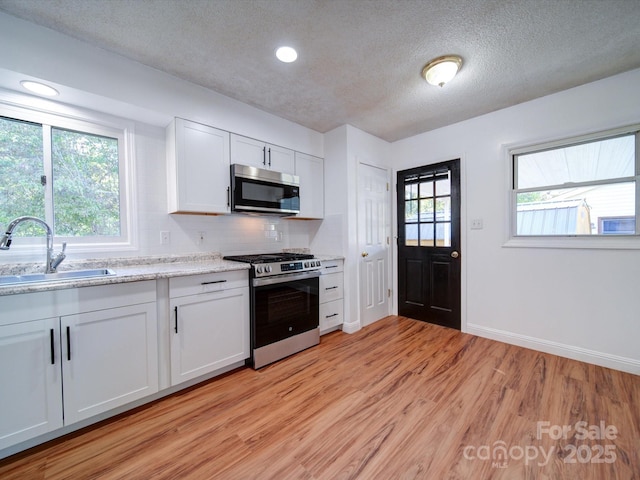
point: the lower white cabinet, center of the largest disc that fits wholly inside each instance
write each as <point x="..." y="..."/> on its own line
<point x="98" y="345"/>
<point x="109" y="359"/>
<point x="30" y="380"/>
<point x="331" y="295"/>
<point x="209" y="323"/>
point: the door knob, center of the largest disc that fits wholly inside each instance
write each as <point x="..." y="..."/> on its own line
<point x="455" y="254"/>
<point x="364" y="254"/>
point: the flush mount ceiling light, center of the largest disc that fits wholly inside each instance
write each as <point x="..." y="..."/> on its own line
<point x="39" y="88"/>
<point x="286" y="54"/>
<point x="442" y="69"/>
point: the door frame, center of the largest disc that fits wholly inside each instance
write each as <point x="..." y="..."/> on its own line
<point x="391" y="304"/>
<point x="463" y="231"/>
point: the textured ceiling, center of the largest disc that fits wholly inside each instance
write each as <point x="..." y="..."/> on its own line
<point x="360" y="60"/>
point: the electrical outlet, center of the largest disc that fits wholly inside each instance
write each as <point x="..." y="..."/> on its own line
<point x="476" y="224"/>
<point x="165" y="237"/>
<point x="200" y="238"/>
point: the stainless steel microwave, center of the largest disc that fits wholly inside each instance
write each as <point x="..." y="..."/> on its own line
<point x="264" y="191"/>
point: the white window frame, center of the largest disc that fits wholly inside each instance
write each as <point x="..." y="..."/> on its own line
<point x="568" y="241"/>
<point x="49" y="113"/>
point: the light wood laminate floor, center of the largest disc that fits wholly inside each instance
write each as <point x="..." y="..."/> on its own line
<point x="399" y="399"/>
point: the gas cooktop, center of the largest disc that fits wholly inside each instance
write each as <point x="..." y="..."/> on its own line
<point x="269" y="264"/>
<point x="269" y="257"/>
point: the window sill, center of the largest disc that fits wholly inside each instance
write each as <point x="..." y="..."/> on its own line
<point x="627" y="242"/>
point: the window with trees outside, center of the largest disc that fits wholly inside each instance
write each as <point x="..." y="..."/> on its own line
<point x="580" y="187"/>
<point x="69" y="173"/>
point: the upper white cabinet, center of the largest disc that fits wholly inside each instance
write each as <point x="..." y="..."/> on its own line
<point x="256" y="153"/>
<point x="311" y="172"/>
<point x="198" y="172"/>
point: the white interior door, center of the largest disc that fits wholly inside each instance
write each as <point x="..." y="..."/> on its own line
<point x="373" y="242"/>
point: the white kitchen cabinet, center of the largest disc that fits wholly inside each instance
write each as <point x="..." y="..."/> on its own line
<point x="109" y="359"/>
<point x="30" y="380"/>
<point x="198" y="168"/>
<point x="311" y="172"/>
<point x="209" y="323"/>
<point x="256" y="153"/>
<point x="97" y="344"/>
<point x="331" y="295"/>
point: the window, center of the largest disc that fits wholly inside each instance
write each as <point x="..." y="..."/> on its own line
<point x="70" y="173"/>
<point x="579" y="187"/>
<point x="427" y="206"/>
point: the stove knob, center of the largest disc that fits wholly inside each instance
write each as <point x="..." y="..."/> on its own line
<point x="317" y="263"/>
<point x="267" y="269"/>
<point x="258" y="269"/>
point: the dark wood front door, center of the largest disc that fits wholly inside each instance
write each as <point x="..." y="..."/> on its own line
<point x="429" y="243"/>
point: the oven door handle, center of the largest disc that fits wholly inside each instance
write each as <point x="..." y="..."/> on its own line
<point x="287" y="277"/>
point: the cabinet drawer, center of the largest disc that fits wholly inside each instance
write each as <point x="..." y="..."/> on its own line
<point x="331" y="287"/>
<point x="332" y="266"/>
<point x="209" y="282"/>
<point x="331" y="314"/>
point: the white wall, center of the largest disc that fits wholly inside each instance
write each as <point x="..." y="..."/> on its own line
<point x="580" y="303"/>
<point x="345" y="148"/>
<point x="95" y="79"/>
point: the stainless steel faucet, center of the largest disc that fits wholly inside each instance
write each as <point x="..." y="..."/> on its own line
<point x="52" y="260"/>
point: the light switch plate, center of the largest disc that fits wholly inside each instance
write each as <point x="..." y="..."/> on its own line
<point x="165" y="237"/>
<point x="476" y="224"/>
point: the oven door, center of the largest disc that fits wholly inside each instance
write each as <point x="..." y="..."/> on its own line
<point x="284" y="306"/>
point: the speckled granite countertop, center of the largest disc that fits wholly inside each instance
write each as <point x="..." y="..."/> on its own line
<point x="129" y="269"/>
<point x="132" y="269"/>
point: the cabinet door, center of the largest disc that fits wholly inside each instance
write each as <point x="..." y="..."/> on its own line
<point x="198" y="168"/>
<point x="311" y="172"/>
<point x="208" y="331"/>
<point x="256" y="153"/>
<point x="280" y="159"/>
<point x="248" y="151"/>
<point x="109" y="359"/>
<point x="30" y="380"/>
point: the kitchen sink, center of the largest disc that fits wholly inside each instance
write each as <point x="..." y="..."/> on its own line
<point x="54" y="277"/>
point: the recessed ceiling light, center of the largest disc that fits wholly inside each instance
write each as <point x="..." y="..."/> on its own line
<point x="442" y="69"/>
<point x="286" y="54"/>
<point x="39" y="88"/>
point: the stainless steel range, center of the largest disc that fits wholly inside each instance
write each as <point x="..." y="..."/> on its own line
<point x="284" y="290"/>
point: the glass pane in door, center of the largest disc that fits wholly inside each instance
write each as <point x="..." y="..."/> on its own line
<point x="411" y="235"/>
<point x="426" y="234"/>
<point x="443" y="234"/>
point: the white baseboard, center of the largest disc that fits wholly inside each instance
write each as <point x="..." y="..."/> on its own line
<point x="615" y="362"/>
<point x="351" y="327"/>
